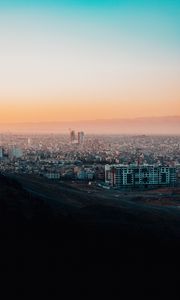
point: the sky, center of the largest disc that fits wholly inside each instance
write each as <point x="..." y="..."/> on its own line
<point x="85" y="60"/>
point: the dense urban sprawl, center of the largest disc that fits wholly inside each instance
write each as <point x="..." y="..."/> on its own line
<point x="83" y="157"/>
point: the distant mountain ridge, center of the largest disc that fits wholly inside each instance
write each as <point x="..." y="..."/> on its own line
<point x="149" y="125"/>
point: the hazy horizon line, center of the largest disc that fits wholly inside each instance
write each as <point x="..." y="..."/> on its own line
<point x="92" y="120"/>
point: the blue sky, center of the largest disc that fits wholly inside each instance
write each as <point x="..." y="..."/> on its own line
<point x="111" y="52"/>
<point x="160" y="18"/>
<point x="102" y="4"/>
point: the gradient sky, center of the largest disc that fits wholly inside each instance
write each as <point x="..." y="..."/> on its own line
<point x="79" y="60"/>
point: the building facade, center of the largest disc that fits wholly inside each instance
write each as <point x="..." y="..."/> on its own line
<point x="15" y="152"/>
<point x="1" y="153"/>
<point x="80" y="137"/>
<point x="139" y="176"/>
<point x="72" y="136"/>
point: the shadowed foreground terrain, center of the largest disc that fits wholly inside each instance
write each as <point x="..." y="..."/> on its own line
<point x="39" y="233"/>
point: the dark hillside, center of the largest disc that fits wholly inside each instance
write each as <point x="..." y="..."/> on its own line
<point x="34" y="236"/>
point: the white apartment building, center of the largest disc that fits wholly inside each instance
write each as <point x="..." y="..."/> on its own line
<point x="139" y="176"/>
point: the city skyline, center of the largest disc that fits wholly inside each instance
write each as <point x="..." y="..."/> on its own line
<point x="87" y="60"/>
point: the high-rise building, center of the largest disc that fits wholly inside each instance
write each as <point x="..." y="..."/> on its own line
<point x="16" y="152"/>
<point x="80" y="137"/>
<point x="29" y="142"/>
<point x="1" y="152"/>
<point x="72" y="136"/>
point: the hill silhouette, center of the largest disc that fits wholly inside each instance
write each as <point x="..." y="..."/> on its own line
<point x="98" y="237"/>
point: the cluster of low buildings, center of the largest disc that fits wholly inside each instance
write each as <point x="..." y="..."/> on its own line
<point x="117" y="161"/>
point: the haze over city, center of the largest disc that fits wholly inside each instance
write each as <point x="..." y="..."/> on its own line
<point x="90" y="147"/>
<point x="72" y="61"/>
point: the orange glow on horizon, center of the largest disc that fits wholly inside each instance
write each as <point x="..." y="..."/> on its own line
<point x="88" y="110"/>
<point x="61" y="65"/>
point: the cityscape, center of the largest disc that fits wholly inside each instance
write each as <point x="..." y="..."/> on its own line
<point x="90" y="147"/>
<point x="81" y="157"/>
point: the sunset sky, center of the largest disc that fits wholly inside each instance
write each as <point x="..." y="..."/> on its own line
<point x="73" y="60"/>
